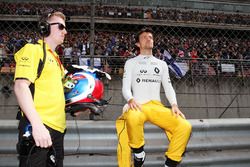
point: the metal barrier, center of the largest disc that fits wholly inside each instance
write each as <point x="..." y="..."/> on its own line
<point x="214" y="143"/>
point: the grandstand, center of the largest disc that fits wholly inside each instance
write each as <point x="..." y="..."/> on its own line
<point x="210" y="45"/>
<point x="209" y="39"/>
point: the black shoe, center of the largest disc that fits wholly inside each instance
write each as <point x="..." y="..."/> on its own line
<point x="138" y="162"/>
<point x="139" y="156"/>
<point x="171" y="163"/>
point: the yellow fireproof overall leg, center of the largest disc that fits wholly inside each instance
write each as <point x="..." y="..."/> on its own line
<point x="123" y="149"/>
<point x="131" y="134"/>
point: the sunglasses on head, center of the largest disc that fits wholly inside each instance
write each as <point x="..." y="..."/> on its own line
<point x="60" y="26"/>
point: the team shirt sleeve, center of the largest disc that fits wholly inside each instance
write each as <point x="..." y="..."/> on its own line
<point x="167" y="85"/>
<point x="127" y="81"/>
<point x="26" y="63"/>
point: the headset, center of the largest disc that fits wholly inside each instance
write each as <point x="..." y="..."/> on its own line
<point x="43" y="25"/>
<point x="51" y="156"/>
<point x="44" y="30"/>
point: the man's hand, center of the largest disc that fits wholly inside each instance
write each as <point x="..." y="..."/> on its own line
<point x="177" y="112"/>
<point x="41" y="136"/>
<point x="133" y="105"/>
<point x="40" y="133"/>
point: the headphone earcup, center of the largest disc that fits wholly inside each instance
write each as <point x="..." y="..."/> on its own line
<point x="44" y="28"/>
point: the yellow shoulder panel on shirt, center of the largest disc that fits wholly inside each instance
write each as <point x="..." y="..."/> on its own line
<point x="27" y="60"/>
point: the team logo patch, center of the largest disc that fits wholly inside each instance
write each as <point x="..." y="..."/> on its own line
<point x="24" y="61"/>
<point x="50" y="60"/>
<point x="156" y="70"/>
<point x="143" y="71"/>
<point x="24" y="58"/>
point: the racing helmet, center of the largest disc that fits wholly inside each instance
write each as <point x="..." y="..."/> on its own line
<point x="82" y="87"/>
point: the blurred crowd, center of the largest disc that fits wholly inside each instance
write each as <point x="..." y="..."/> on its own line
<point x="116" y="46"/>
<point x="122" y="44"/>
<point x="159" y="13"/>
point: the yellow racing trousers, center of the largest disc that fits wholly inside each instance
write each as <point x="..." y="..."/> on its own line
<point x="130" y="131"/>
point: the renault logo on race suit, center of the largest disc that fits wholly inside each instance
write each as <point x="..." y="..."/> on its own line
<point x="156" y="70"/>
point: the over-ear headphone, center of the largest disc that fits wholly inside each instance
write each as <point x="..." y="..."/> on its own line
<point x="43" y="25"/>
<point x="44" y="28"/>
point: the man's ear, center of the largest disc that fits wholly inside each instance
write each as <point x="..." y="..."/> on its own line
<point x="137" y="44"/>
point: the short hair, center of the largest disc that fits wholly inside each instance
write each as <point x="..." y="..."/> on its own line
<point x="47" y="16"/>
<point x="58" y="14"/>
<point x="145" y="29"/>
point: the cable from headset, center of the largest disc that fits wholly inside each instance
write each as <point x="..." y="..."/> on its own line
<point x="51" y="156"/>
<point x="79" y="137"/>
<point x="79" y="140"/>
<point x="28" y="157"/>
<point x="28" y="145"/>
